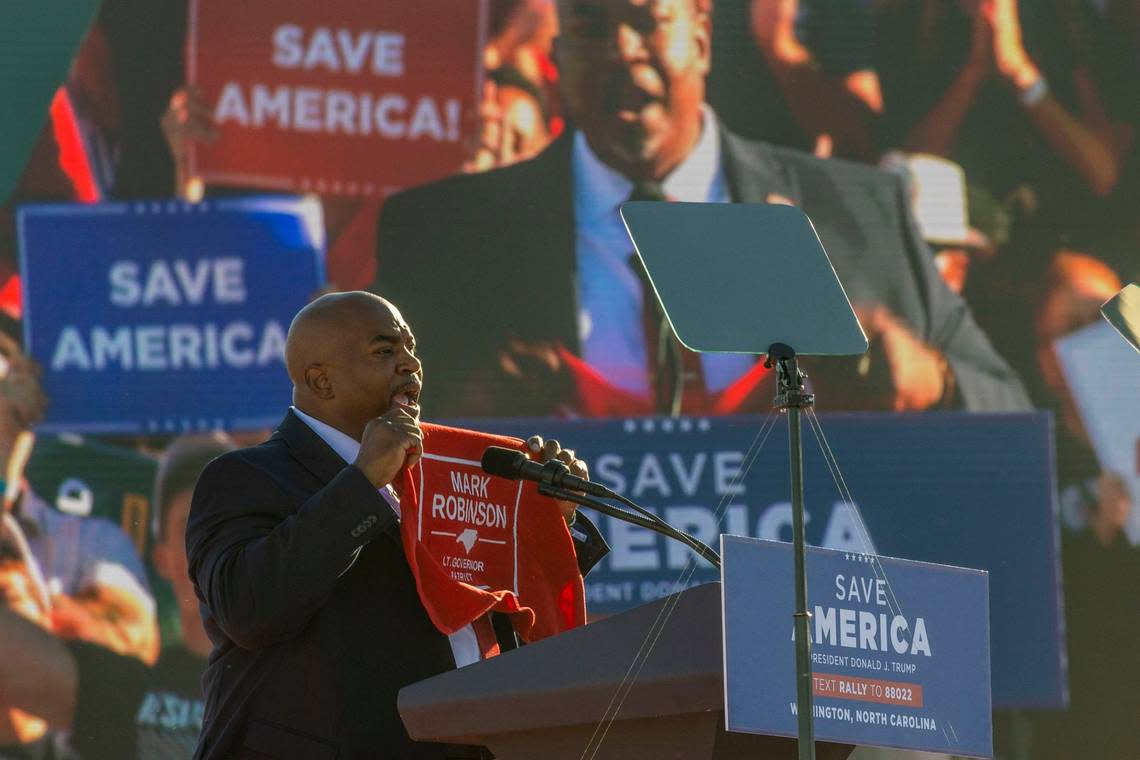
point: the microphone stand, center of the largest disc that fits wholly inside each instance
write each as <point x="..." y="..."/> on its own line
<point x="793" y="397"/>
<point x="657" y="526"/>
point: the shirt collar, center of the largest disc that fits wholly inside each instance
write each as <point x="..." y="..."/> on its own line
<point x="343" y="444"/>
<point x="600" y="189"/>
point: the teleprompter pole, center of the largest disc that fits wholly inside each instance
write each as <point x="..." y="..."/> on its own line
<point x="792" y="397"/>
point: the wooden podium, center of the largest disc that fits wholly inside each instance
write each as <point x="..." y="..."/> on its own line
<point x="546" y="700"/>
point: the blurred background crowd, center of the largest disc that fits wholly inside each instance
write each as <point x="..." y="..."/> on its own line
<point x="1009" y="125"/>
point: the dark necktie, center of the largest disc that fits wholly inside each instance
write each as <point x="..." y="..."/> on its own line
<point x="675" y="372"/>
<point x="648" y="191"/>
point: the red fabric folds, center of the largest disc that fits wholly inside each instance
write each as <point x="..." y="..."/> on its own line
<point x="596" y="397"/>
<point x="476" y="543"/>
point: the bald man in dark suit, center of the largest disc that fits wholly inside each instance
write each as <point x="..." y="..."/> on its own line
<point x="295" y="554"/>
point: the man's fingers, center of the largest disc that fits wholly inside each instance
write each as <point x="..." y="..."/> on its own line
<point x="179" y="138"/>
<point x="491" y="132"/>
<point x="398" y="412"/>
<point x="199" y="106"/>
<point x="189" y="118"/>
<point x="404" y="421"/>
<point x="576" y="466"/>
<point x="9" y="347"/>
<point x="410" y="437"/>
<point x="552" y="449"/>
<point x="579" y="468"/>
<point x="1111" y="487"/>
<point x="187" y="98"/>
<point x="179" y="100"/>
<point x="868" y="316"/>
<point x="199" y="115"/>
<point x="199" y="132"/>
<point x="400" y="422"/>
<point x="408" y="428"/>
<point x="509" y="366"/>
<point x="414" y="449"/>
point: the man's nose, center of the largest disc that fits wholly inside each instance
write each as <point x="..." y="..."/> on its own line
<point x="409" y="363"/>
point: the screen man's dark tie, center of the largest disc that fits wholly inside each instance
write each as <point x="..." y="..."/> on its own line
<point x="674" y="371"/>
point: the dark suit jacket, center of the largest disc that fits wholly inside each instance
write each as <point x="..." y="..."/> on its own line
<point x="310" y="652"/>
<point x="476" y="260"/>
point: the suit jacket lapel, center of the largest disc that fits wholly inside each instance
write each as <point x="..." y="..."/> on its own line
<point x="316" y="456"/>
<point x="309" y="449"/>
<point x="754" y="173"/>
<point x="551" y="236"/>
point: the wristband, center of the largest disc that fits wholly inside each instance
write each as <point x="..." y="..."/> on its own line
<point x="1034" y="93"/>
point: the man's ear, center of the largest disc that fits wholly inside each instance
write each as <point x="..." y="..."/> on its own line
<point x="318" y="382"/>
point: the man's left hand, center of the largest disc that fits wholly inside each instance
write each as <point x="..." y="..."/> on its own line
<point x="918" y="372"/>
<point x="773" y="27"/>
<point x="111" y="617"/>
<point x="22" y="399"/>
<point x="544" y="451"/>
<point x="1010" y="56"/>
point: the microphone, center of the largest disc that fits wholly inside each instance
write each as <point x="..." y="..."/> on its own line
<point x="555" y="480"/>
<point x="515" y="465"/>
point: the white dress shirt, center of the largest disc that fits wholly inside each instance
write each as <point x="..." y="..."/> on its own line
<point x="464" y="644"/>
<point x="610" y="324"/>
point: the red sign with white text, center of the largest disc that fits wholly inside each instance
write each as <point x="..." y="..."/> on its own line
<point x="341" y="97"/>
<point x="477" y="543"/>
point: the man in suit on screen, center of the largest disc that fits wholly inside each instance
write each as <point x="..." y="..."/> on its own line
<point x="521" y="282"/>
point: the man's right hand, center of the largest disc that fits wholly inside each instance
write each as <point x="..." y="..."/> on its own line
<point x="16" y="593"/>
<point x="390" y="441"/>
<point x="533" y="380"/>
<point x="21" y="395"/>
<point x="187" y="119"/>
<point x="22" y="405"/>
<point x="1011" y="58"/>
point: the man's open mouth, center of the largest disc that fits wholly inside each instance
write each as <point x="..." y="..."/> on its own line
<point x="407" y="395"/>
<point x="629" y="102"/>
<point x="631" y="93"/>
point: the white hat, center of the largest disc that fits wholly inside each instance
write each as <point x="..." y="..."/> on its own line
<point x="936" y="189"/>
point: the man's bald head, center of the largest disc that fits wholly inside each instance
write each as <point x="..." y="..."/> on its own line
<point x="348" y="355"/>
<point x="318" y="331"/>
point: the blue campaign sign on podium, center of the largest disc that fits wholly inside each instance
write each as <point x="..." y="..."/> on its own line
<point x="164" y="316"/>
<point x="900" y="649"/>
<point x="957" y="488"/>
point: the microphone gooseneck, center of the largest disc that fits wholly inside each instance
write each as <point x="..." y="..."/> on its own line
<point x="554" y="479"/>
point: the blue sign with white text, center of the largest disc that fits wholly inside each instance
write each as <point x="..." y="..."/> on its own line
<point x="164" y="316"/>
<point x="900" y="649"/>
<point x="956" y="488"/>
